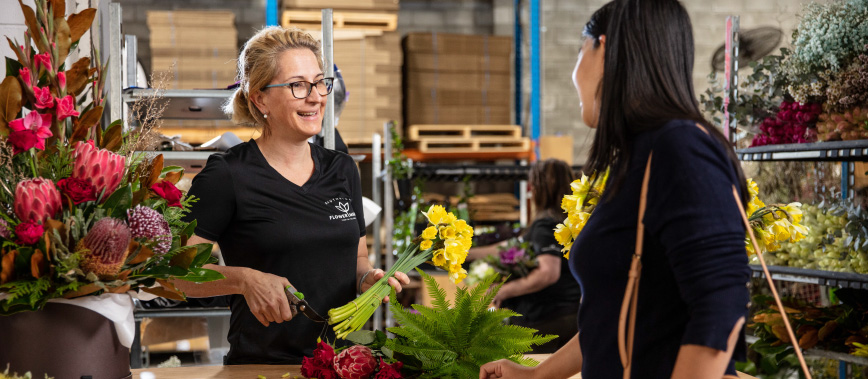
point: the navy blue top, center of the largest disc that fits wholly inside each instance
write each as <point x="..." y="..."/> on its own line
<point x="693" y="285"/>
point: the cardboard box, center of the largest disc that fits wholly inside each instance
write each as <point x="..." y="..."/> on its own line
<point x="458" y="63"/>
<point x="191" y="18"/>
<point x="390" y="5"/>
<point x="422" y="96"/>
<point x="458" y="115"/>
<point x="442" y="43"/>
<point x="557" y="147"/>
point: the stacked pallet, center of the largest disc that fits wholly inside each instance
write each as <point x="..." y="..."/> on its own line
<point x="457" y="79"/>
<point x="200" y="47"/>
<point x="468" y="138"/>
<point x="367" y="50"/>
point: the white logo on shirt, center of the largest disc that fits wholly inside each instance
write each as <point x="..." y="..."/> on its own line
<point x="343" y="207"/>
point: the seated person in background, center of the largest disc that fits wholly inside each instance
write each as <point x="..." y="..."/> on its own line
<point x="548" y="298"/>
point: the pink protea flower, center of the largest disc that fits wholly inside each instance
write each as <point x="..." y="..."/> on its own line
<point x="66" y="107"/>
<point x="24" y="73"/>
<point x="102" y="168"/>
<point x="149" y="224"/>
<point x="356" y="362"/>
<point x="29" y="132"/>
<point x="44" y="98"/>
<point x="105" y="247"/>
<point x="36" y="200"/>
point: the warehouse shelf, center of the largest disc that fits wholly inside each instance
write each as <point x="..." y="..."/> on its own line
<point x="819" y="353"/>
<point x="199" y="104"/>
<point x="819" y="151"/>
<point x="140" y="314"/>
<point x="191" y="161"/>
<point x="823" y="278"/>
<point x="419" y="156"/>
<point x="474" y="172"/>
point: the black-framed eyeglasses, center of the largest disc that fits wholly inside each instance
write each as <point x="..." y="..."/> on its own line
<point x="302" y="89"/>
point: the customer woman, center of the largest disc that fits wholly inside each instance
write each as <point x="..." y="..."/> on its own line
<point x="634" y="76"/>
<point x="283" y="210"/>
<point x="548" y="298"/>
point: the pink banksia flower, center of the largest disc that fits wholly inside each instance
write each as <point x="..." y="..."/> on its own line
<point x="149" y="224"/>
<point x="36" y="200"/>
<point x="102" y="168"/>
<point x="105" y="247"/>
<point x="356" y="362"/>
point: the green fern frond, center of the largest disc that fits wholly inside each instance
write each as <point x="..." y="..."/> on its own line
<point x="438" y="295"/>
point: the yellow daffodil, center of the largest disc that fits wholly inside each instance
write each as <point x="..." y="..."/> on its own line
<point x="458" y="276"/>
<point x="569" y="202"/>
<point x="752" y="188"/>
<point x="861" y="350"/>
<point x="426" y="244"/>
<point x="781" y="229"/>
<point x="454" y="252"/>
<point x="563" y="235"/>
<point x="448" y="219"/>
<point x="447" y="232"/>
<point x="429" y="233"/>
<point x="600" y="185"/>
<point x="794" y="210"/>
<point x="439" y="258"/>
<point x="435" y="214"/>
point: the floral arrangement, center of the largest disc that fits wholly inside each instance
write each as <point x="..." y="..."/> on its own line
<point x="444" y="243"/>
<point x="77" y="216"/>
<point x="792" y="124"/>
<point x="826" y="65"/>
<point x="443" y="341"/>
<point x="513" y="261"/>
<point x="578" y="207"/>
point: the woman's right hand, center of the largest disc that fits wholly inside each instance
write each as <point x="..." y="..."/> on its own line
<point x="505" y="369"/>
<point x="266" y="297"/>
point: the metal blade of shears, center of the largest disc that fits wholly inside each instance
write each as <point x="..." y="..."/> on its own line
<point x="297" y="304"/>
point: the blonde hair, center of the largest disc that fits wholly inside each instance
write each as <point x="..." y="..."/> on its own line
<point x="258" y="65"/>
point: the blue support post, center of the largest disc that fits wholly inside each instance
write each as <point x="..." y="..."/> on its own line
<point x="535" y="74"/>
<point x="517" y="38"/>
<point x="842" y="370"/>
<point x="271" y="13"/>
<point x="845" y="179"/>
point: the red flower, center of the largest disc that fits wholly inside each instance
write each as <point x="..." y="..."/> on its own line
<point x="29" y="132"/>
<point x="78" y="190"/>
<point x="389" y="371"/>
<point x="66" y="107"/>
<point x="28" y="232"/>
<point x="320" y="366"/>
<point x="26" y="77"/>
<point x="356" y="362"/>
<point x="168" y="191"/>
<point x="44" y="99"/>
<point x="324" y="354"/>
<point x="61" y="79"/>
<point x="43" y="60"/>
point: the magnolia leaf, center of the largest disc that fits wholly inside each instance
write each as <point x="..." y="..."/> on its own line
<point x="7" y="266"/>
<point x="124" y="274"/>
<point x="173" y="294"/>
<point x="113" y="138"/>
<point x="38" y="264"/>
<point x="174" y="176"/>
<point x="119" y="201"/>
<point x="82" y="291"/>
<point x="809" y="339"/>
<point x="144" y="253"/>
<point x="185" y="258"/>
<point x="362" y="337"/>
<point x="61" y="38"/>
<point x="201" y="275"/>
<point x="13" y="67"/>
<point x="10" y="102"/>
<point x="33" y="26"/>
<point x="84" y="122"/>
<point x="78" y="76"/>
<point x="122" y="289"/>
<point x="156" y="170"/>
<point x="59" y="7"/>
<point x="203" y="253"/>
<point x="80" y="22"/>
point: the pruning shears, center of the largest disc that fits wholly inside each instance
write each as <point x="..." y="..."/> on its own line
<point x="297" y="303"/>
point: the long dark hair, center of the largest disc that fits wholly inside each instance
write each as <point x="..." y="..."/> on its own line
<point x="647" y="80"/>
<point x="550" y="180"/>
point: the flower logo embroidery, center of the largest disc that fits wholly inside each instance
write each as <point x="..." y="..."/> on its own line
<point x="343" y="207"/>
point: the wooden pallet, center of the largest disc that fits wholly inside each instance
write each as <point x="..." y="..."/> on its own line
<point x="473" y="145"/>
<point x="421" y="132"/>
<point x="342" y="20"/>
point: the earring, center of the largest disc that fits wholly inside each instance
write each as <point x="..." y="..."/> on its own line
<point x="265" y="115"/>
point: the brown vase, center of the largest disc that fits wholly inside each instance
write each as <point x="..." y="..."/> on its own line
<point x="63" y="341"/>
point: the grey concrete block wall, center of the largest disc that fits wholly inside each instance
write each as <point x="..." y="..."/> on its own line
<point x="563" y="21"/>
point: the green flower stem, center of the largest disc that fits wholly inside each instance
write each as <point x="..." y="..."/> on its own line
<point x="33" y="162"/>
<point x="353" y="315"/>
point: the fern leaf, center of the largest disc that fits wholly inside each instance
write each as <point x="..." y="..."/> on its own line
<point x="438" y="295"/>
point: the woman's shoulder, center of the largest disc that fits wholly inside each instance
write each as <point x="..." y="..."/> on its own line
<point x="682" y="138"/>
<point x="332" y="158"/>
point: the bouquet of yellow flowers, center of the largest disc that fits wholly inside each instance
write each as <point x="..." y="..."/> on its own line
<point x="771" y="224"/>
<point x="444" y="242"/>
<point x="578" y="207"/>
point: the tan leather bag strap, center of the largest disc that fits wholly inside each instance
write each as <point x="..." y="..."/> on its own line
<point x="627" y="317"/>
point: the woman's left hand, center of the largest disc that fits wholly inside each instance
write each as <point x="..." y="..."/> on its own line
<point x="396" y="281"/>
<point x="502" y="295"/>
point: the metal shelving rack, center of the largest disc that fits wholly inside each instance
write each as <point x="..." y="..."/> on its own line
<point x="837" y="151"/>
<point x="820" y="277"/>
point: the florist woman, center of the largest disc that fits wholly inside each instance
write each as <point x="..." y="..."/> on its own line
<point x="548" y="297"/>
<point x="283" y="210"/>
<point x="634" y="78"/>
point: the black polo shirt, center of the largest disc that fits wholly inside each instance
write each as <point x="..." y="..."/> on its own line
<point x="308" y="234"/>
